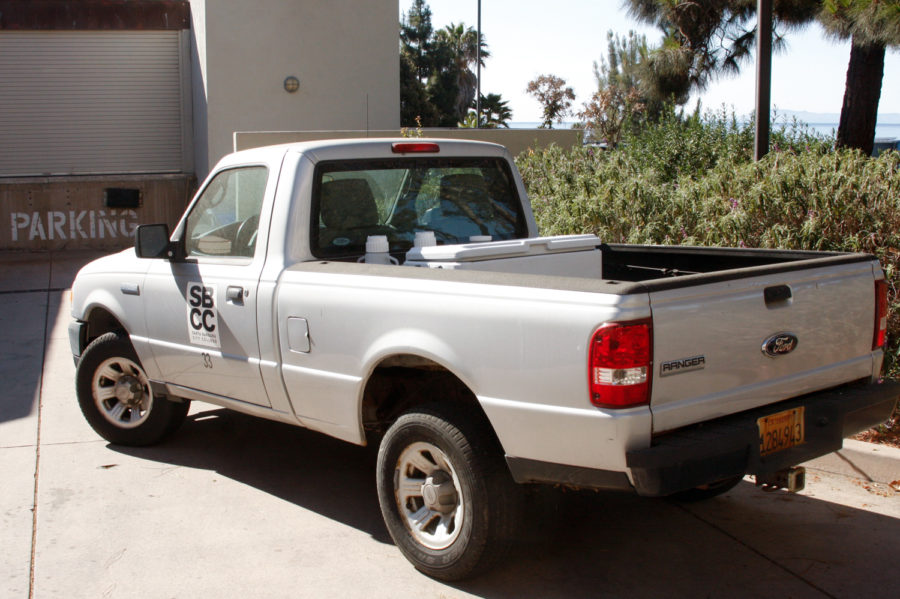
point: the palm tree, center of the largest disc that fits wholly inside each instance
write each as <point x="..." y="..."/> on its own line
<point x="462" y="42"/>
<point x="495" y="112"/>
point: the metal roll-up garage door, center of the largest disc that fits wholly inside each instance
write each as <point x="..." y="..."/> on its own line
<point x="92" y="102"/>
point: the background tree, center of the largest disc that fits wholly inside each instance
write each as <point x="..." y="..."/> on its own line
<point x="554" y="96"/>
<point x="495" y="112"/>
<point x="416" y="64"/>
<point x="622" y="94"/>
<point x="705" y="38"/>
<point x="414" y="100"/>
<point x="462" y="44"/>
<point x="871" y="26"/>
<point x="442" y="86"/>
<point x="607" y="112"/>
<point x="436" y="80"/>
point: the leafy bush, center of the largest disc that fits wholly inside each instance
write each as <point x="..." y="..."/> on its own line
<point x="692" y="181"/>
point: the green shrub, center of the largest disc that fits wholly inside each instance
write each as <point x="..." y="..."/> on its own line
<point x="692" y="182"/>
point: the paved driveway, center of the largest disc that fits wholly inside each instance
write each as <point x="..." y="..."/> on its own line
<point x="238" y="507"/>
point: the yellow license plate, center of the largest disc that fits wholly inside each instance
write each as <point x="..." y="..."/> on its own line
<point x="780" y="431"/>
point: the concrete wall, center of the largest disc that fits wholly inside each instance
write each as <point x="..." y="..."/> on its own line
<point x="344" y="52"/>
<point x="199" y="89"/>
<point x="58" y="213"/>
<point x="515" y="140"/>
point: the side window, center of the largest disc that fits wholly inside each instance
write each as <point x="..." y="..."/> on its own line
<point x="225" y="219"/>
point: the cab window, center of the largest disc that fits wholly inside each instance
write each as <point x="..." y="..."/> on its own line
<point x="459" y="199"/>
<point x="225" y="219"/>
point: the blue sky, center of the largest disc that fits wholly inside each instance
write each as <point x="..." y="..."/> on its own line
<point x="530" y="37"/>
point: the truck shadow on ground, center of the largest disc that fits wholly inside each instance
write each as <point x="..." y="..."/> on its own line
<point x="577" y="544"/>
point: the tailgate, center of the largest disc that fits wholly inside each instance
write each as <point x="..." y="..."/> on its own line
<point x="710" y="340"/>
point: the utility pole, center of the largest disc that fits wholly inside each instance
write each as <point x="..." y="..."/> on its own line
<point x="478" y="76"/>
<point x="763" y="76"/>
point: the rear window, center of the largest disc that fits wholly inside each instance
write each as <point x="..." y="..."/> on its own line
<point x="459" y="199"/>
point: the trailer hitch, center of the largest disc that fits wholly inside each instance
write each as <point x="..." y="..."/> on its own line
<point x="793" y="479"/>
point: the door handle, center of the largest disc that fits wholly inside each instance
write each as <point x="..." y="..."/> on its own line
<point x="234" y="294"/>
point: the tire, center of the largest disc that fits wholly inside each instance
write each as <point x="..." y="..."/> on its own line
<point x="447" y="499"/>
<point x="707" y="491"/>
<point x="115" y="398"/>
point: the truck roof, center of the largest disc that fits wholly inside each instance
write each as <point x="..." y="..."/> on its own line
<point x="362" y="148"/>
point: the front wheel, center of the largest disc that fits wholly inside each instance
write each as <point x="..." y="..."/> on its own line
<point x="446" y="497"/>
<point x="115" y="397"/>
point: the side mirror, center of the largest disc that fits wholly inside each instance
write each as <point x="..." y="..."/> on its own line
<point x="152" y="241"/>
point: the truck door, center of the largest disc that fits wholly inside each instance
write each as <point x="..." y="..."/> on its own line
<point x="201" y="311"/>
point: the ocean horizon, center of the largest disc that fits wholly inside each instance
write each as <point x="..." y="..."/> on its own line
<point x="887" y="127"/>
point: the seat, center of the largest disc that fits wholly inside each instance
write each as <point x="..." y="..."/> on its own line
<point x="348" y="212"/>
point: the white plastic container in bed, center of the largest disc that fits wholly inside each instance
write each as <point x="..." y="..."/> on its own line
<point x="562" y="256"/>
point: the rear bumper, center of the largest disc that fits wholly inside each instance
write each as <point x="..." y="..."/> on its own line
<point x="728" y="447"/>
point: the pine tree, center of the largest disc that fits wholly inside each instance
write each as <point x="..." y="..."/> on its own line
<point x="622" y="93"/>
<point x="704" y="39"/>
<point x="871" y="26"/>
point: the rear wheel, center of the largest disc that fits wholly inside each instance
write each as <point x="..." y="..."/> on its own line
<point x="447" y="499"/>
<point x="115" y="397"/>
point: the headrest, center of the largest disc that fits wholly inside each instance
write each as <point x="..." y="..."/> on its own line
<point x="348" y="204"/>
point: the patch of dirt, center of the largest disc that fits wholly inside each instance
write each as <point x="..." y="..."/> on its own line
<point x="886" y="434"/>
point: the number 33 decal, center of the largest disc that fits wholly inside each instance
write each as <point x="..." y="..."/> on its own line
<point x="207" y="360"/>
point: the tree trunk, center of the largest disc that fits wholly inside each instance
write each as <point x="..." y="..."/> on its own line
<point x="861" y="95"/>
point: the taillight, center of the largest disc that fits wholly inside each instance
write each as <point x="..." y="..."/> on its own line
<point x="619" y="364"/>
<point x="881" y="314"/>
<point x="415" y="148"/>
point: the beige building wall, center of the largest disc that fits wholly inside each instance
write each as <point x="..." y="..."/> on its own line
<point x="344" y="53"/>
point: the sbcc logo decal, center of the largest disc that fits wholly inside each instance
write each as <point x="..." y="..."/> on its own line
<point x="202" y="316"/>
<point x="779" y="344"/>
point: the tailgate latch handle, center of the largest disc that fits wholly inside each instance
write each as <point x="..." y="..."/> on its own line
<point x="777" y="294"/>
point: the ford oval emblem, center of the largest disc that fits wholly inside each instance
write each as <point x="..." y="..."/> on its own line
<point x="779" y="344"/>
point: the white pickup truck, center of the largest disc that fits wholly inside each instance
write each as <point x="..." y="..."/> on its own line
<point x="476" y="354"/>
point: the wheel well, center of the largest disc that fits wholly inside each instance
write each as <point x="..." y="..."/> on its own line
<point x="402" y="382"/>
<point x="100" y="322"/>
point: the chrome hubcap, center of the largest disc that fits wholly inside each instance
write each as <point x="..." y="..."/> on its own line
<point x="439" y="493"/>
<point x="428" y="495"/>
<point x="129" y="391"/>
<point x="122" y="392"/>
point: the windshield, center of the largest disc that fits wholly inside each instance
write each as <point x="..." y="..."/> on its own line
<point x="459" y="199"/>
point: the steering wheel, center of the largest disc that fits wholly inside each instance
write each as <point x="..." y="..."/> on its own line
<point x="245" y="240"/>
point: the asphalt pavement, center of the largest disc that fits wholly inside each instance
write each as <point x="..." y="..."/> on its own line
<point x="234" y="506"/>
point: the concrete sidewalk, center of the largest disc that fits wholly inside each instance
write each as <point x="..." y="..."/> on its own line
<point x="238" y="507"/>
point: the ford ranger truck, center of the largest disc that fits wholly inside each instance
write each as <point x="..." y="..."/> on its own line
<point x="482" y="356"/>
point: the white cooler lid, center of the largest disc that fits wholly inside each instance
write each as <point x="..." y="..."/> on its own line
<point x="512" y="248"/>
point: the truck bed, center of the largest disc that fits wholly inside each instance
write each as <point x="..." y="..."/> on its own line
<point x="627" y="268"/>
<point x="712" y="307"/>
<point x="645" y="263"/>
